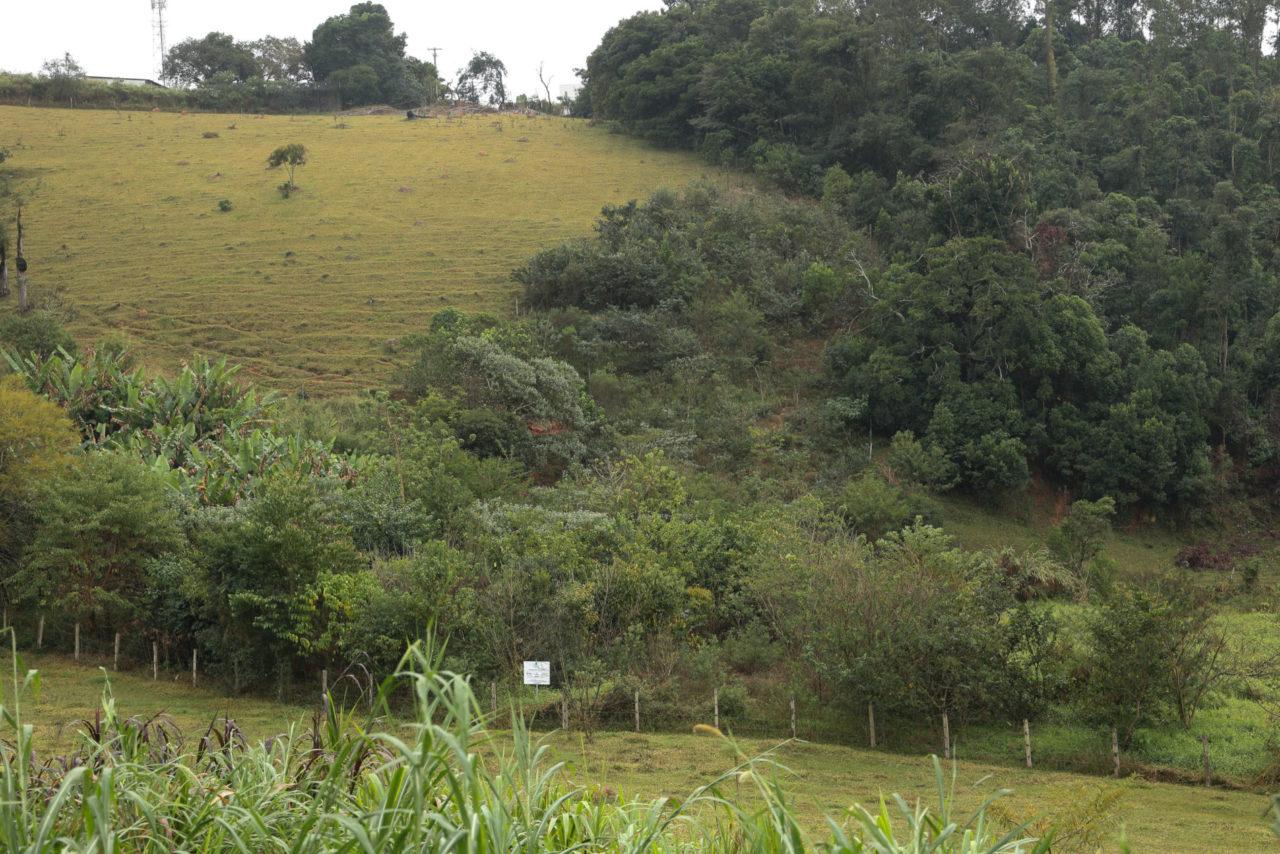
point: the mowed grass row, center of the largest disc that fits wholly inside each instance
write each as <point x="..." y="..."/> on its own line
<point x="823" y="780"/>
<point x="395" y="220"/>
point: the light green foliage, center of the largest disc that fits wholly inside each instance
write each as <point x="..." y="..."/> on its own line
<point x="1081" y="536"/>
<point x="873" y="507"/>
<point x="37" y="333"/>
<point x="208" y="435"/>
<point x="290" y="156"/>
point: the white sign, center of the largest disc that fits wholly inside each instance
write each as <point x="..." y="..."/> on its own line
<point x="537" y="673"/>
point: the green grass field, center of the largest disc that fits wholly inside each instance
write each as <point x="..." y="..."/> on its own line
<point x="394" y="221"/>
<point x="822" y="780"/>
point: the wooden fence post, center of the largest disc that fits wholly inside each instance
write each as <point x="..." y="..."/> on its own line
<point x="193" y="667"/>
<point x="1026" y="739"/>
<point x="1208" y="769"/>
<point x="77" y="640"/>
<point x="493" y="698"/>
<point x="793" y="715"/>
<point x="1115" y="750"/>
<point x="715" y="705"/>
<point x="155" y="661"/>
<point x="871" y="723"/>
<point x="324" y="682"/>
<point x="115" y="656"/>
<point x="946" y="737"/>
<point x="40" y="633"/>
<point x="637" y="709"/>
<point x="564" y="710"/>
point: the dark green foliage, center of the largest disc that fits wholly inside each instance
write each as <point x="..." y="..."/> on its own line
<point x="215" y="56"/>
<point x="361" y="55"/>
<point x="261" y="572"/>
<point x="1130" y="660"/>
<point x="99" y="527"/>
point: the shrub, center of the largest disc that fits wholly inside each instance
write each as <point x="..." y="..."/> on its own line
<point x="36" y="332"/>
<point x="913" y="462"/>
<point x="225" y="205"/>
<point x="871" y="506"/>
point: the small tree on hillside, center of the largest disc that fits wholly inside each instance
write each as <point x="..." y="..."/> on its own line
<point x="1081" y="536"/>
<point x="290" y="156"/>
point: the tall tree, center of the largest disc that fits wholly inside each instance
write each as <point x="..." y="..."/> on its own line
<point x="363" y="38"/>
<point x="280" y="59"/>
<point x="483" y="80"/>
<point x="215" y="55"/>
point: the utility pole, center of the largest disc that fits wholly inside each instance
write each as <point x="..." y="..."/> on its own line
<point x="435" y="62"/>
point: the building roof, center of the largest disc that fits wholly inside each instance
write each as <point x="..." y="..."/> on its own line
<point x="128" y="81"/>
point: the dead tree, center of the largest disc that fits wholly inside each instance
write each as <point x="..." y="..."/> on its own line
<point x="4" y="259"/>
<point x="21" y="263"/>
<point x="546" y="85"/>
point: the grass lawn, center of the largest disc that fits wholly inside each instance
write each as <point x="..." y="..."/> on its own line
<point x="821" y="779"/>
<point x="394" y="221"/>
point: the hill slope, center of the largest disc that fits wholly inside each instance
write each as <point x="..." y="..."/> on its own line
<point x="395" y="219"/>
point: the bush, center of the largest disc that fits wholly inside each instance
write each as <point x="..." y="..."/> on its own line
<point x="225" y="205"/>
<point x="871" y="506"/>
<point x="286" y="189"/>
<point x="38" y="332"/>
<point x="913" y="462"/>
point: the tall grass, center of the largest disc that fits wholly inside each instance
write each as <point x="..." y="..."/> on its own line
<point x="439" y="782"/>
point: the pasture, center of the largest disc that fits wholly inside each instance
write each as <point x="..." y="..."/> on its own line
<point x="394" y="220"/>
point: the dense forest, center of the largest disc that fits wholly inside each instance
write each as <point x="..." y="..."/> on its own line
<point x="1064" y="263"/>
<point x="994" y="256"/>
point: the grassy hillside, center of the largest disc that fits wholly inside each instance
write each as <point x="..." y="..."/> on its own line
<point x="823" y="779"/>
<point x="395" y="220"/>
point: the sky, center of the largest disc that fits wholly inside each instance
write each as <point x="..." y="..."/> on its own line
<point x="114" y="37"/>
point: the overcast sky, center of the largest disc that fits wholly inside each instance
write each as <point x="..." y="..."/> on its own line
<point x="113" y="37"/>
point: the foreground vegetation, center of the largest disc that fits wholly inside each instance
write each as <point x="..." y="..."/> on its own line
<point x="818" y="780"/>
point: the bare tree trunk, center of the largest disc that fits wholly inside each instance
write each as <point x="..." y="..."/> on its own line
<point x="23" y="305"/>
<point x="4" y="260"/>
<point x="546" y="84"/>
<point x="1050" y="58"/>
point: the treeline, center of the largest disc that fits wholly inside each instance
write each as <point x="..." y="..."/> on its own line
<point x="352" y="59"/>
<point x="1064" y="227"/>
<point x="604" y="484"/>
